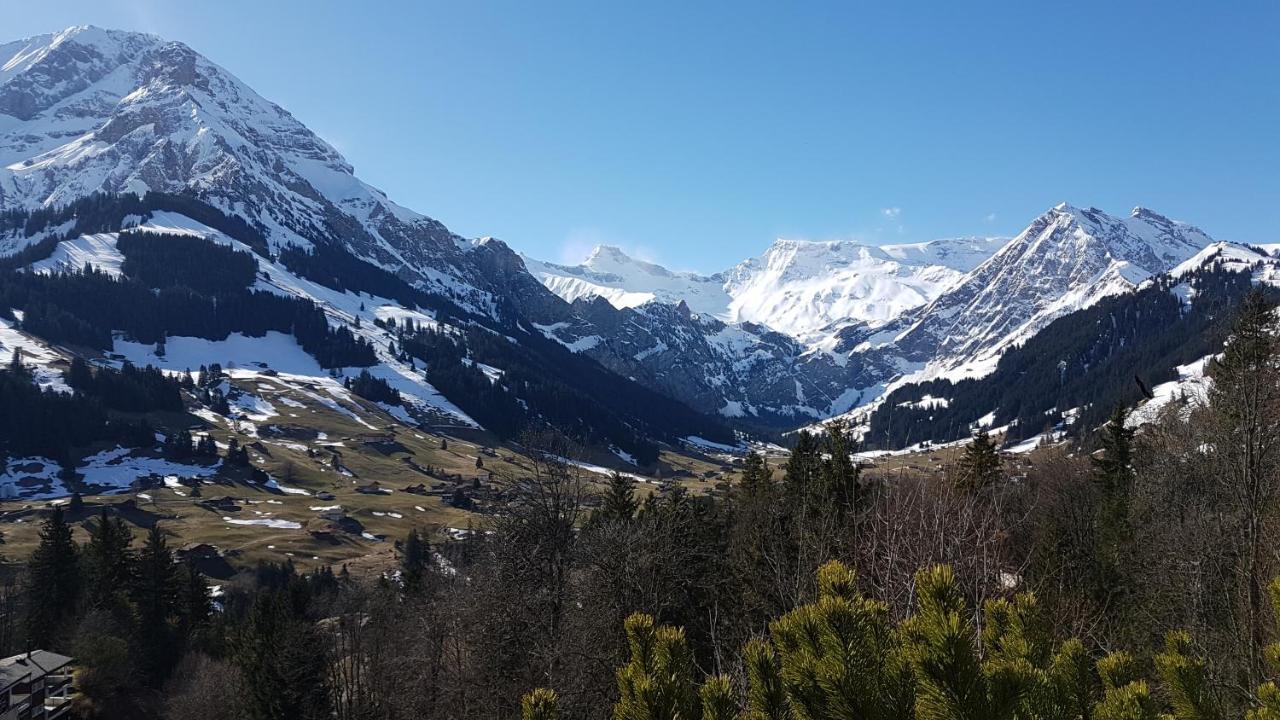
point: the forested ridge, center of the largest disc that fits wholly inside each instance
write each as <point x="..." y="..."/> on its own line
<point x="1090" y="361"/>
<point x="178" y="285"/>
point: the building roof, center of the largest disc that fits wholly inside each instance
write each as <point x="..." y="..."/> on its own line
<point x="37" y="664"/>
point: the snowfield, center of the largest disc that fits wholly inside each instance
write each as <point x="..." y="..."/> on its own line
<point x="36" y="355"/>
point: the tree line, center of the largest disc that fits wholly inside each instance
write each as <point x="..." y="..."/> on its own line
<point x="84" y="308"/>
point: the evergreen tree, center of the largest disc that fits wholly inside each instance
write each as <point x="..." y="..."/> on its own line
<point x="414" y="562"/>
<point x="619" y="503"/>
<point x="541" y="704"/>
<point x="839" y="471"/>
<point x="284" y="674"/>
<point x="108" y="562"/>
<point x="980" y="466"/>
<point x="1243" y="435"/>
<point x="1114" y="475"/>
<point x="195" y="606"/>
<point x="757" y="479"/>
<point x="156" y="595"/>
<point x="803" y="474"/>
<point x="54" y="582"/>
<point x="657" y="683"/>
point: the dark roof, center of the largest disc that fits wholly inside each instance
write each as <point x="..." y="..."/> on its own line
<point x="37" y="664"/>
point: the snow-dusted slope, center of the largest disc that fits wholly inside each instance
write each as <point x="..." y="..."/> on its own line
<point x="627" y="282"/>
<point x="805" y="330"/>
<point x="800" y="288"/>
<point x="963" y="254"/>
<point x="803" y="288"/>
<point x="91" y="110"/>
<point x="1067" y="259"/>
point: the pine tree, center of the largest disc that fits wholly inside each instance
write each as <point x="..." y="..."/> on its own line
<point x="54" y="579"/>
<point x="836" y="657"/>
<point x="1186" y="679"/>
<point x="540" y="704"/>
<point x="980" y="465"/>
<point x="1125" y="696"/>
<point x="657" y="683"/>
<point x="718" y="702"/>
<point x="619" y="502"/>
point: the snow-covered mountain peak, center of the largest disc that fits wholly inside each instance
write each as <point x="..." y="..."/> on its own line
<point x="961" y="253"/>
<point x="90" y="110"/>
<point x="1066" y="259"/>
<point x="614" y="260"/>
<point x="808" y="258"/>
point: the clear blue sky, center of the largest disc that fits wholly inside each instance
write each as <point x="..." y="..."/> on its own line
<point x="696" y="135"/>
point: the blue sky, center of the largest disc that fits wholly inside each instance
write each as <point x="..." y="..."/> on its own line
<point x="694" y="134"/>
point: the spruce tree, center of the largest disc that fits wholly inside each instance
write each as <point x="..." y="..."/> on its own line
<point x="1243" y="437"/>
<point x="195" y="607"/>
<point x="156" y="596"/>
<point x="619" y="502"/>
<point x="414" y="562"/>
<point x="757" y="479"/>
<point x="54" y="582"/>
<point x="1113" y="474"/>
<point x="108" y="562"/>
<point x="285" y="677"/>
<point x="803" y="474"/>
<point x="839" y="471"/>
<point x="980" y="466"/>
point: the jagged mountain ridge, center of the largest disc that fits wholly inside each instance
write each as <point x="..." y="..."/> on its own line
<point x="1065" y="260"/>
<point x="805" y="289"/>
<point x="805" y="331"/>
<point x="90" y="110"/>
<point x="948" y="308"/>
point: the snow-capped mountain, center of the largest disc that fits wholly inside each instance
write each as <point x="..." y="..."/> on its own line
<point x="1065" y="260"/>
<point x="90" y="110"/>
<point x="627" y="282"/>
<point x="808" y="289"/>
<point x="845" y="321"/>
<point x="800" y="288"/>
<point x="804" y="331"/>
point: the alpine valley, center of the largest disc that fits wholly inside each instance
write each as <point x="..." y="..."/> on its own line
<point x="273" y="446"/>
<point x="154" y="210"/>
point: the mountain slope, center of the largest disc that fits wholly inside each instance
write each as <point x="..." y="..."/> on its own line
<point x="804" y="331"/>
<point x="799" y="288"/>
<point x="1065" y="260"/>
<point x="93" y="121"/>
<point x="90" y="110"/>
